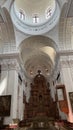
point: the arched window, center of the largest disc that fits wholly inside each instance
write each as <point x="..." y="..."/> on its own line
<point x="21" y="14"/>
<point x="35" y="19"/>
<point x="48" y="12"/>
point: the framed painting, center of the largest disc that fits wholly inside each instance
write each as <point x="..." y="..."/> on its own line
<point x="62" y="98"/>
<point x="60" y="91"/>
<point x="71" y="99"/>
<point x="5" y="104"/>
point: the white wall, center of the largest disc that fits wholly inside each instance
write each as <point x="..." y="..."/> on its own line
<point x="67" y="80"/>
<point x="9" y="86"/>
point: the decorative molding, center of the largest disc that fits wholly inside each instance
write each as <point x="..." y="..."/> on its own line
<point x="66" y="52"/>
<point x="9" y="64"/>
<point x="66" y="63"/>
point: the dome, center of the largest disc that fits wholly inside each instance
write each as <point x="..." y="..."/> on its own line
<point x="34" y="12"/>
<point x="33" y="16"/>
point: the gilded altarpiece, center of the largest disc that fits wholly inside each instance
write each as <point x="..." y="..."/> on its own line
<point x="41" y="105"/>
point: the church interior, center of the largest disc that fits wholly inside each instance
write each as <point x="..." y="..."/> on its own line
<point x="36" y="65"/>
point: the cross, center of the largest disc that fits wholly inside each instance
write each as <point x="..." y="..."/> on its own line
<point x="39" y="71"/>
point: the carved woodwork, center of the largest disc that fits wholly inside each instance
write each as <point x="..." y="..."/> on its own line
<point x="1" y="121"/>
<point x="41" y="105"/>
<point x="40" y="101"/>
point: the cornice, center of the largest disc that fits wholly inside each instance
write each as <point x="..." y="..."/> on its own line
<point x="9" y="55"/>
<point x="9" y="62"/>
<point x="66" y="61"/>
<point x="65" y="52"/>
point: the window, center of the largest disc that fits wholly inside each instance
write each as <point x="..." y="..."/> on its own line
<point x="21" y="14"/>
<point x="48" y="12"/>
<point x="35" y="19"/>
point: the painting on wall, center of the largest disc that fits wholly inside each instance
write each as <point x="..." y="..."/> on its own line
<point x="5" y="104"/>
<point x="71" y="99"/>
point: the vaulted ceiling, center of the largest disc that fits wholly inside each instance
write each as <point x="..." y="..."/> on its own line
<point x="35" y="52"/>
<point x="38" y="53"/>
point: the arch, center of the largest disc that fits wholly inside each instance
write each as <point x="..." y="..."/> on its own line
<point x="38" y="53"/>
<point x="7" y="32"/>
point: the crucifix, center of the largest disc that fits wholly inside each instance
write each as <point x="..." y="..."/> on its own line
<point x="39" y="71"/>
